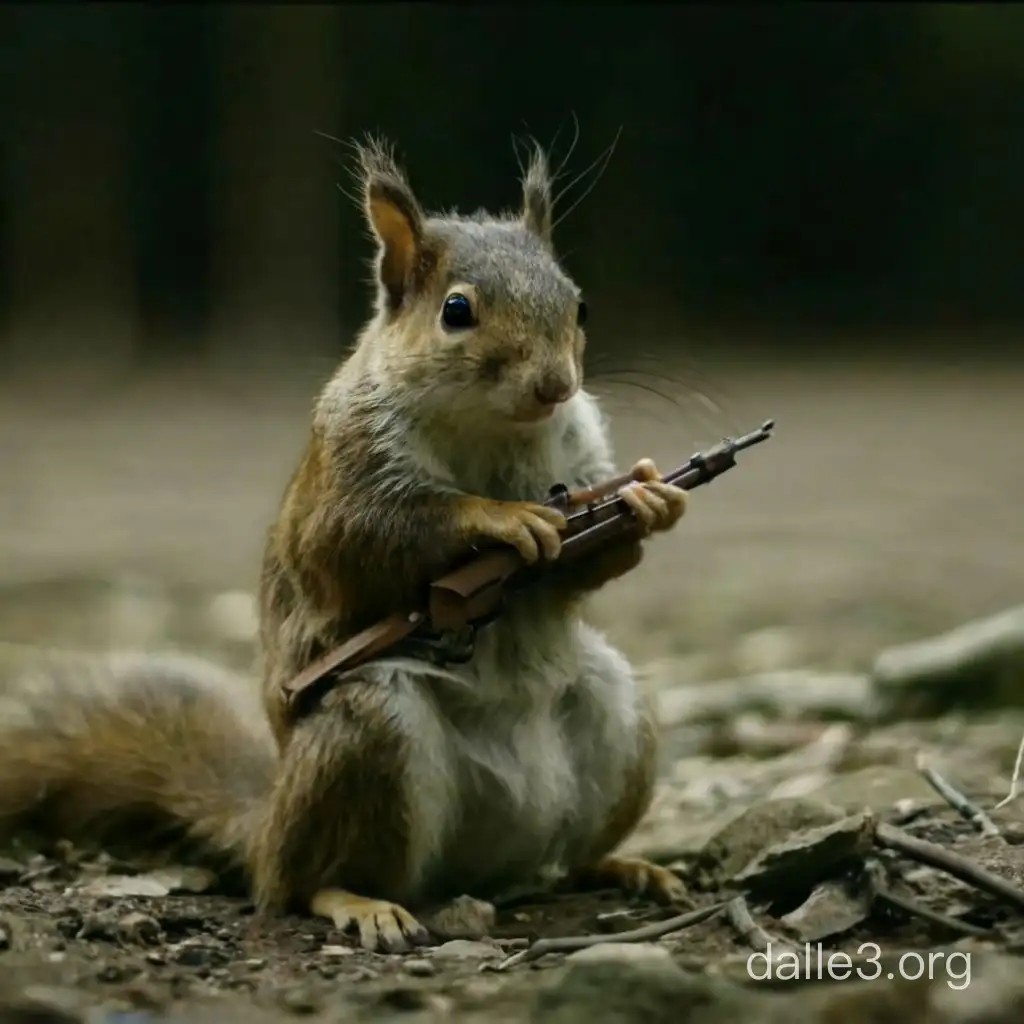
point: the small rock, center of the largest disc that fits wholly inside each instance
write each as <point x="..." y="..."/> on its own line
<point x="112" y="974"/>
<point x="102" y="926"/>
<point x="462" y="918"/>
<point x="420" y="968"/>
<point x="125" y="885"/>
<point x="300" y="999"/>
<point x="466" y="949"/>
<point x="70" y="926"/>
<point x="736" y="844"/>
<point x="405" y="999"/>
<point x="185" y="879"/>
<point x="622" y="952"/>
<point x="337" y="951"/>
<point x="6" y="939"/>
<point x="153" y="883"/>
<point x="10" y="871"/>
<point x="829" y="910"/>
<point x="139" y="928"/>
<point x="808" y="857"/>
<point x="197" y="956"/>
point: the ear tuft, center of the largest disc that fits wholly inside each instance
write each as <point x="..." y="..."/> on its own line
<point x="537" y="201"/>
<point x="395" y="218"/>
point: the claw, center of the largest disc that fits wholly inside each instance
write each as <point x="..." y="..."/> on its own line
<point x="383" y="927"/>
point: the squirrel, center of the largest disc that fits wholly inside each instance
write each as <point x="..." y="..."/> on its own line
<point x="459" y="406"/>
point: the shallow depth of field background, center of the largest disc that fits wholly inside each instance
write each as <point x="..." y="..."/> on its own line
<point x="812" y="212"/>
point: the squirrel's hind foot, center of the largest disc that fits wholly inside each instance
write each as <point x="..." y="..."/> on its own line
<point x="383" y="927"/>
<point x="636" y="876"/>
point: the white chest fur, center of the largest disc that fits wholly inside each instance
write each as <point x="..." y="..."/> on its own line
<point x="519" y="760"/>
<point x="521" y="753"/>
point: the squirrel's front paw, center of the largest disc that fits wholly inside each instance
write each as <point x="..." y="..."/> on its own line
<point x="531" y="528"/>
<point x="657" y="505"/>
<point x="383" y="927"/>
<point x="636" y="876"/>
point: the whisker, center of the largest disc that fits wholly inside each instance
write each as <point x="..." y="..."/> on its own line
<point x="603" y="160"/>
<point x="572" y="146"/>
<point x="691" y="376"/>
<point x="329" y="138"/>
<point x="599" y="366"/>
<point x="643" y="387"/>
<point x="586" y="170"/>
<point x="711" y="414"/>
<point x="520" y="161"/>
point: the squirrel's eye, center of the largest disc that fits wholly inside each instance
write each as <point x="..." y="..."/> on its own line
<point x="457" y="313"/>
<point x="581" y="314"/>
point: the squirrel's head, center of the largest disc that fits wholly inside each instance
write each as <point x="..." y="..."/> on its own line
<point x="475" y="316"/>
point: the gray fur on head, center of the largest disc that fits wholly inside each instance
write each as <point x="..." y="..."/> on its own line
<point x="537" y="200"/>
<point x="509" y="257"/>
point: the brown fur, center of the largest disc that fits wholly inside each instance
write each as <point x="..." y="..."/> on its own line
<point x="345" y="756"/>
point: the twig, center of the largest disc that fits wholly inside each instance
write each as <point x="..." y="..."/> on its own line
<point x="738" y="914"/>
<point x="1015" y="781"/>
<point x="875" y="876"/>
<point x="945" y="860"/>
<point x="916" y="909"/>
<point x="571" y="943"/>
<point x="960" y="803"/>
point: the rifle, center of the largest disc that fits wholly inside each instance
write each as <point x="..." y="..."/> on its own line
<point x="472" y="595"/>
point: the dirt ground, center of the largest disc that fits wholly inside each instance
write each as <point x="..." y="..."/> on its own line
<point x="886" y="508"/>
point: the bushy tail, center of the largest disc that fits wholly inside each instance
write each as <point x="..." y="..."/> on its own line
<point x="129" y="746"/>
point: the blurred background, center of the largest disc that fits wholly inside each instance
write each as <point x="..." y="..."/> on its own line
<point x="810" y="212"/>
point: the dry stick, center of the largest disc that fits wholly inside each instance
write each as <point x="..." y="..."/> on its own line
<point x="738" y="914"/>
<point x="960" y="803"/>
<point x="945" y="860"/>
<point x="876" y="876"/>
<point x="571" y="943"/>
<point x="1015" y="781"/>
<point x="915" y="909"/>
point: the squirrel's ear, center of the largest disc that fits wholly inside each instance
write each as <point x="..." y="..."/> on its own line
<point x="395" y="218"/>
<point x="537" y="201"/>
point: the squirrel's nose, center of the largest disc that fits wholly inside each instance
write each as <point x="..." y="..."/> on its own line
<point x="552" y="390"/>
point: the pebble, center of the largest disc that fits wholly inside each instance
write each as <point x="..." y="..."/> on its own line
<point x="462" y="918"/>
<point x="466" y="949"/>
<point x="10" y="870"/>
<point x="138" y="927"/>
<point x="420" y="968"/>
<point x="300" y="1000"/>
